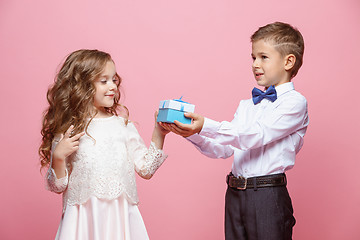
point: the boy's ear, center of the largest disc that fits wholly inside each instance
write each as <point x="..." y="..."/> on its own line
<point x="290" y="62"/>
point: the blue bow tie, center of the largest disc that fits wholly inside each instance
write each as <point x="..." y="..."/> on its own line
<point x="259" y="95"/>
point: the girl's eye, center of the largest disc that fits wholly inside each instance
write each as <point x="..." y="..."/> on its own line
<point x="103" y="81"/>
<point x="264" y="57"/>
<point x="116" y="81"/>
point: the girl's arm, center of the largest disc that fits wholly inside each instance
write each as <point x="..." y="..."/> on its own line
<point x="159" y="134"/>
<point x="65" y="147"/>
<point x="62" y="147"/>
<point x="147" y="160"/>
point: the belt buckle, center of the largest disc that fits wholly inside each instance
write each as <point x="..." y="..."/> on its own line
<point x="245" y="183"/>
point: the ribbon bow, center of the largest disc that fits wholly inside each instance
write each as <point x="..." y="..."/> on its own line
<point x="259" y="95"/>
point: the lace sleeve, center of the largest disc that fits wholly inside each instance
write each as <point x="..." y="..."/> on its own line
<point x="146" y="160"/>
<point x="153" y="159"/>
<point x="54" y="184"/>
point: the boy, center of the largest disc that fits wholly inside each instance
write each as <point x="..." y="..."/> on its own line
<point x="264" y="137"/>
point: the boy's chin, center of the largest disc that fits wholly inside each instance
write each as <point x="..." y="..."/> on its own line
<point x="267" y="84"/>
<point x="262" y="84"/>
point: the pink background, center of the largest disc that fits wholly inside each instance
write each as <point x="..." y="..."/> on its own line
<point x="199" y="49"/>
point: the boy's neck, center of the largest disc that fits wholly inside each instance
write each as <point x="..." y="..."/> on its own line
<point x="278" y="84"/>
<point x="283" y="83"/>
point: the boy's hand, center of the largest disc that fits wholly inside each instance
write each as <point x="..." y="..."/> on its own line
<point x="186" y="130"/>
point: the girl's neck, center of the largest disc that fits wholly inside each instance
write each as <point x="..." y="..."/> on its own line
<point x="103" y="114"/>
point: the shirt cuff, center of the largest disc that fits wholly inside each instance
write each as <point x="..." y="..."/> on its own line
<point x="210" y="128"/>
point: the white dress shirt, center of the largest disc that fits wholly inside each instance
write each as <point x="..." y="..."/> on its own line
<point x="264" y="138"/>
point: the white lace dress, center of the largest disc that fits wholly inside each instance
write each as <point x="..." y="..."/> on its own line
<point x="99" y="191"/>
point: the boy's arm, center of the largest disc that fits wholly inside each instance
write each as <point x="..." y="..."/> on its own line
<point x="287" y="118"/>
<point x="210" y="148"/>
<point x="185" y="130"/>
<point x="207" y="146"/>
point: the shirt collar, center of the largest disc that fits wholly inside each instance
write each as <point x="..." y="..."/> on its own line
<point x="284" y="88"/>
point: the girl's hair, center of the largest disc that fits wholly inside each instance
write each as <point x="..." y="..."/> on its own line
<point x="285" y="38"/>
<point x="71" y="97"/>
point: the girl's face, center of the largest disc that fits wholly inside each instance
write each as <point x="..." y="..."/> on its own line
<point x="268" y="64"/>
<point x="106" y="88"/>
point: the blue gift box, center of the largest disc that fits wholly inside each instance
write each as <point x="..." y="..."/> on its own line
<point x="170" y="110"/>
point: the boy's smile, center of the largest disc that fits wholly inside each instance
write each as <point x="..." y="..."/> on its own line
<point x="268" y="64"/>
<point x="258" y="75"/>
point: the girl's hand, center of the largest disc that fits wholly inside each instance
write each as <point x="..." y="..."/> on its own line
<point x="67" y="145"/>
<point x="186" y="130"/>
<point x="158" y="127"/>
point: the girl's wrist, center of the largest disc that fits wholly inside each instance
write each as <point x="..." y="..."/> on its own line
<point x="58" y="161"/>
<point x="161" y="130"/>
<point x="158" y="138"/>
<point x="159" y="133"/>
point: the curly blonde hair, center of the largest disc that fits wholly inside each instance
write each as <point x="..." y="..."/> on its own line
<point x="71" y="97"/>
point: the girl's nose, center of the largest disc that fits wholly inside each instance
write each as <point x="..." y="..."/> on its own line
<point x="112" y="86"/>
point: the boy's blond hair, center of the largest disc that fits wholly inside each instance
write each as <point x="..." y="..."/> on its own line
<point x="285" y="38"/>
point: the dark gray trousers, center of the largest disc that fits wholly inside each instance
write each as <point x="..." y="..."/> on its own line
<point x="261" y="214"/>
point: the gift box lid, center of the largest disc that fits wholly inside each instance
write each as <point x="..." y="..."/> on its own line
<point x="177" y="104"/>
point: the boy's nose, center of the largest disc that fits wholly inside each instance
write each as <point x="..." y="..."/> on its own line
<point x="255" y="64"/>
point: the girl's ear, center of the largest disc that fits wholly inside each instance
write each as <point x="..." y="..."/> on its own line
<point x="290" y="62"/>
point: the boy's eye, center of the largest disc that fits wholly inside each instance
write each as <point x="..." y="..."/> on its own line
<point x="264" y="57"/>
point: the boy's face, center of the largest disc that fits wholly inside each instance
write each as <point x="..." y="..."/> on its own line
<point x="268" y="64"/>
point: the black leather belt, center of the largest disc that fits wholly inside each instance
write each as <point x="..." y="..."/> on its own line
<point x="242" y="183"/>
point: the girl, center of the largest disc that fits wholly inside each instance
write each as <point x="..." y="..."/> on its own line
<point x="92" y="153"/>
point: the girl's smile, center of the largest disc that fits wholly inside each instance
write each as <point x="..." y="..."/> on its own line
<point x="106" y="88"/>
